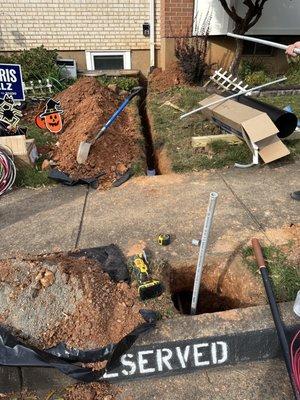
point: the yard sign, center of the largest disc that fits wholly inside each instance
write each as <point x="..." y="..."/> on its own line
<point x="11" y="81"/>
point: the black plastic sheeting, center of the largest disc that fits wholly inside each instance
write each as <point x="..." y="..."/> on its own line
<point x="285" y="121"/>
<point x="63" y="178"/>
<point x="111" y="258"/>
<point x="14" y="353"/>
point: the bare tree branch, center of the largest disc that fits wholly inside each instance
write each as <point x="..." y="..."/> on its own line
<point x="231" y="13"/>
<point x="243" y="23"/>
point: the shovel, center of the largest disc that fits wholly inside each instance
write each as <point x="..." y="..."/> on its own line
<point x="84" y="147"/>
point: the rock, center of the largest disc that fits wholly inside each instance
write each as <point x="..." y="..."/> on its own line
<point x="48" y="279"/>
<point x="113" y="87"/>
<point x="45" y="165"/>
<point x="124" y="93"/>
<point x="129" y="303"/>
<point x="121" y="168"/>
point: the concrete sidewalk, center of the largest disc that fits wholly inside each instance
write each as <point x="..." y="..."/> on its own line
<point x="267" y="380"/>
<point x="250" y="202"/>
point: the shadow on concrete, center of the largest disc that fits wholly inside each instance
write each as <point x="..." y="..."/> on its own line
<point x="26" y="203"/>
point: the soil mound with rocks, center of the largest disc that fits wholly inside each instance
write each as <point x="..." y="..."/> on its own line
<point x="160" y="81"/>
<point x="87" y="107"/>
<point x="59" y="298"/>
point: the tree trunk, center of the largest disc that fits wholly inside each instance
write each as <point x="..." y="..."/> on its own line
<point x="237" y="57"/>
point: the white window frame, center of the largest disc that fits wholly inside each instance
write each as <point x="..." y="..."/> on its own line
<point x="89" y="56"/>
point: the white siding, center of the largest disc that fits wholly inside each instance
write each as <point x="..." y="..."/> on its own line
<point x="219" y="24"/>
<point x="280" y="17"/>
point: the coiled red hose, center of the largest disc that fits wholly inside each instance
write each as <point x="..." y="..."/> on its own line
<point x="7" y="170"/>
<point x="295" y="359"/>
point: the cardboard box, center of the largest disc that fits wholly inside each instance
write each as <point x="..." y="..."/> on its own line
<point x="234" y="117"/>
<point x="24" y="150"/>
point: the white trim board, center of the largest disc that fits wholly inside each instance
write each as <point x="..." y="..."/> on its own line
<point x="89" y="57"/>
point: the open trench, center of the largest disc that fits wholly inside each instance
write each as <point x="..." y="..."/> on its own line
<point x="219" y="291"/>
<point x="151" y="160"/>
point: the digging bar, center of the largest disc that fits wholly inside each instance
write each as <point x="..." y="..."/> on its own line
<point x="84" y="147"/>
<point x="232" y="96"/>
<point x="202" y="250"/>
<point x="275" y="312"/>
<point x="262" y="41"/>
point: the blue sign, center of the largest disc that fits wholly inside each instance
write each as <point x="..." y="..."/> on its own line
<point x="11" y="81"/>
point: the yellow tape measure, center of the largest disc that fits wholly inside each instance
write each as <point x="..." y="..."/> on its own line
<point x="164" y="240"/>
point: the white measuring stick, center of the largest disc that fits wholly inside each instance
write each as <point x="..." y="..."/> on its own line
<point x="232" y="96"/>
<point x="203" y="245"/>
<point x="261" y="41"/>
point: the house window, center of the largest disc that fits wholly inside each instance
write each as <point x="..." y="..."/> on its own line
<point x="106" y="60"/>
<point x="251" y="48"/>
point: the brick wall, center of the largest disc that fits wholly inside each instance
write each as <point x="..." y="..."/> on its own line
<point x="75" y="24"/>
<point x="176" y="17"/>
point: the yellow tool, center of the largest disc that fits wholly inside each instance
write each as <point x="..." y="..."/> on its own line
<point x="164" y="240"/>
<point x="148" y="287"/>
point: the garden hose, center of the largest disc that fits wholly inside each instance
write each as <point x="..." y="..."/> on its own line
<point x="7" y="170"/>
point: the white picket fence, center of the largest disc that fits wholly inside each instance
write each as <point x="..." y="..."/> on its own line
<point x="38" y="89"/>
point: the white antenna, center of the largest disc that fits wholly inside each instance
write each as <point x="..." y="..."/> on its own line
<point x="232" y="96"/>
<point x="225" y="81"/>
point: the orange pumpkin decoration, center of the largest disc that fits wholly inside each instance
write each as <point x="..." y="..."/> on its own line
<point x="50" y="118"/>
<point x="53" y="122"/>
<point x="40" y="122"/>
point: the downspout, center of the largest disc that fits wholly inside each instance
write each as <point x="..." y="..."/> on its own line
<point x="152" y="34"/>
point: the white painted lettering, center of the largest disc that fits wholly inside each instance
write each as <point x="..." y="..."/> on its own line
<point x="214" y="353"/>
<point x="9" y="86"/>
<point x="183" y="357"/>
<point x="2" y="75"/>
<point x="198" y="355"/>
<point x="12" y="74"/>
<point x="107" y="375"/>
<point x="163" y="359"/>
<point x="128" y="363"/>
<point x="224" y="352"/>
<point x="142" y="362"/>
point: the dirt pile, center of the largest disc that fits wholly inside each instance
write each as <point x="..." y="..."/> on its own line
<point x="87" y="107"/>
<point x="77" y="304"/>
<point x="159" y="80"/>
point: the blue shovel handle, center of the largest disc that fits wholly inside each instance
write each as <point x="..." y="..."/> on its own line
<point x="134" y="92"/>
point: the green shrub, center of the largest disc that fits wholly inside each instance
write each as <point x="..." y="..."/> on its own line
<point x="123" y="82"/>
<point x="36" y="63"/>
<point x="249" y="66"/>
<point x="293" y="72"/>
<point x="256" y="78"/>
<point x="39" y="63"/>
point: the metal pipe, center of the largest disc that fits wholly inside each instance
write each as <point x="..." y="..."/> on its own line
<point x="262" y="41"/>
<point x="232" y="96"/>
<point x="275" y="312"/>
<point x="202" y="250"/>
<point x="152" y="34"/>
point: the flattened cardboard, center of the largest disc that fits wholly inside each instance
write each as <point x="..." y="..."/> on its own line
<point x="259" y="127"/>
<point x="236" y="117"/>
<point x="272" y="148"/>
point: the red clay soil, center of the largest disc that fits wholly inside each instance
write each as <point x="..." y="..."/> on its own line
<point x="105" y="314"/>
<point x="103" y="311"/>
<point x="87" y="107"/>
<point x="160" y="81"/>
